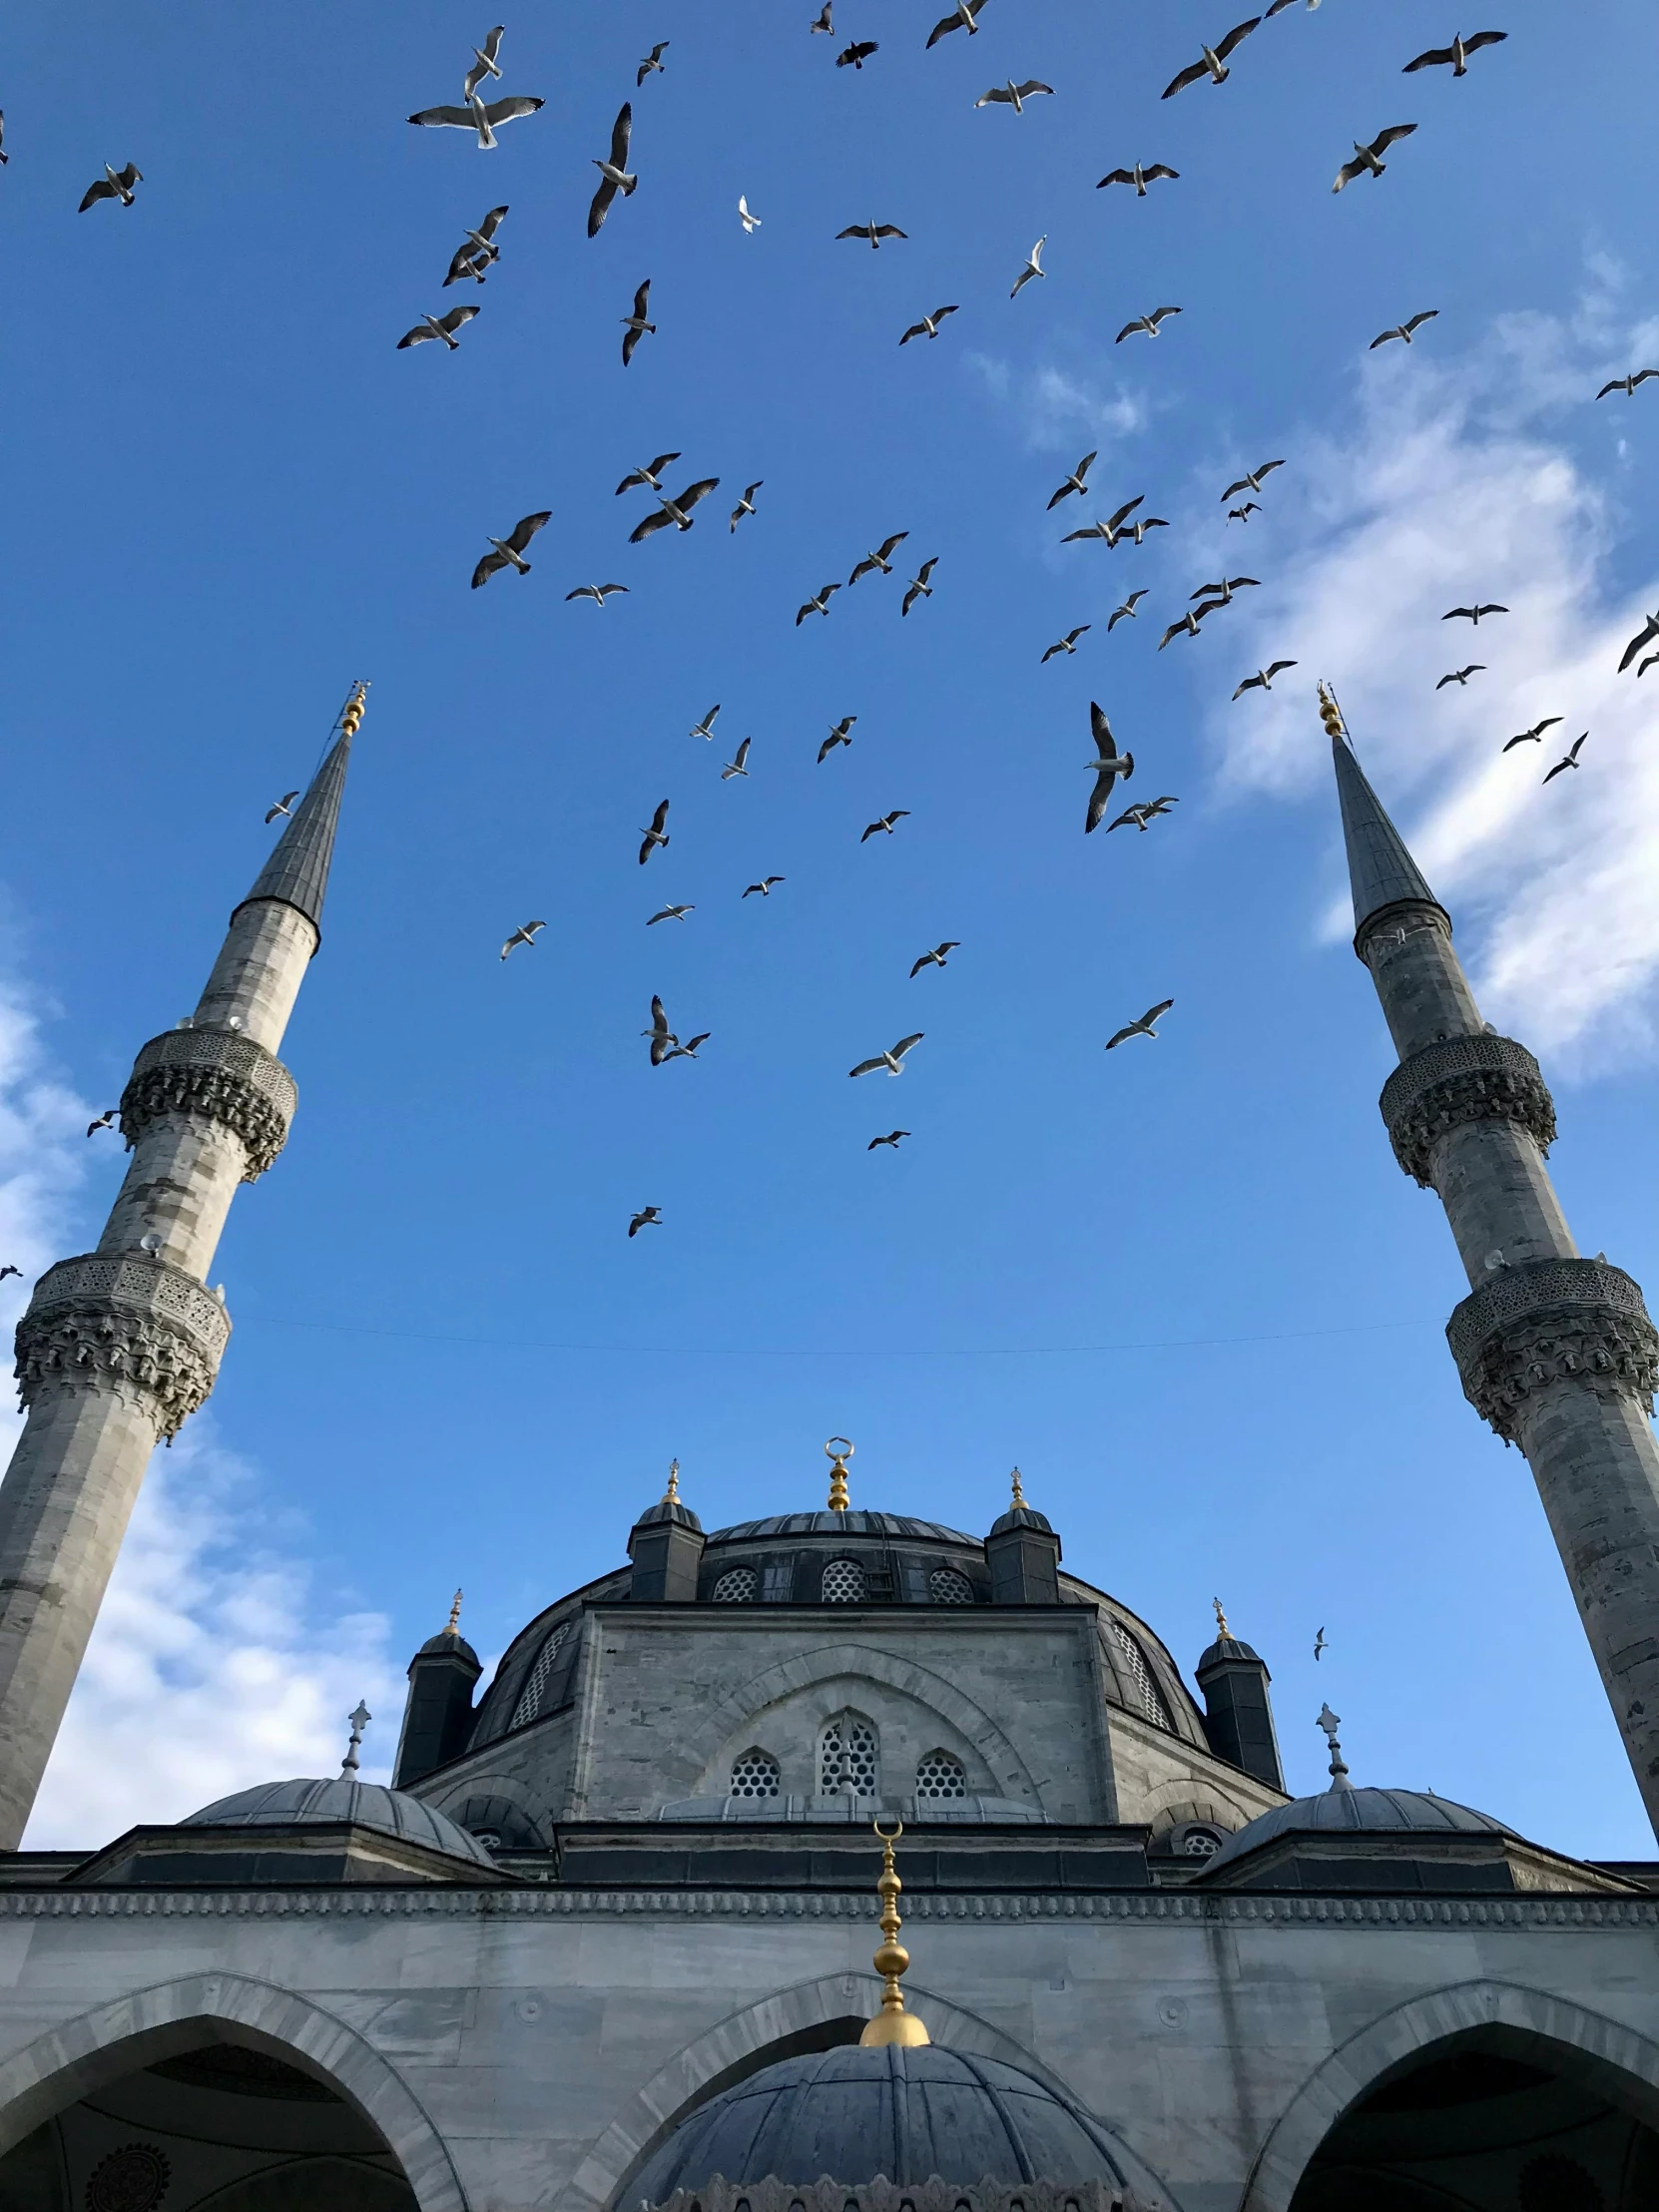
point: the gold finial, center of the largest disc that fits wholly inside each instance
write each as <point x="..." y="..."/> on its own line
<point x="352" y="711"/>
<point x="892" y="2024"/>
<point x="838" y="1451"/>
<point x="1222" y="1628"/>
<point x="1330" y="713"/>
<point x="1019" y="1490"/>
<point x="671" y="1496"/>
<point x="454" y="1627"/>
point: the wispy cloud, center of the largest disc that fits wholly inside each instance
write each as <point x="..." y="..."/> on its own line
<point x="1056" y="406"/>
<point x="1455" y="485"/>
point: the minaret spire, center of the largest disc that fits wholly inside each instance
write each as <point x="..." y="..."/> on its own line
<point x="120" y="1347"/>
<point x="1555" y="1352"/>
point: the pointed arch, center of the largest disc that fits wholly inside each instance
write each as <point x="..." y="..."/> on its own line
<point x="82" y="2054"/>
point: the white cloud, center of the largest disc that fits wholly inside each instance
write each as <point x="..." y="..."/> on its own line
<point x="1055" y="407"/>
<point x="1455" y="486"/>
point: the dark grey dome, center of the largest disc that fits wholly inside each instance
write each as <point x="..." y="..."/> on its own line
<point x="1392" y="1812"/>
<point x="301" y="1803"/>
<point x="447" y="1641"/>
<point x="842" y="1524"/>
<point x="669" y="1510"/>
<point x="1023" y="1516"/>
<point x="853" y="2113"/>
<point x="1227" y="1647"/>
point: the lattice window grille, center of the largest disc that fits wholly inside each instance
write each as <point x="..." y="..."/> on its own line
<point x="530" y="1697"/>
<point x="737" y="1587"/>
<point x="1151" y="1697"/>
<point x="1200" y="1843"/>
<point x="844" y="1582"/>
<point x="941" y="1776"/>
<point x="947" y="1587"/>
<point x="847" y="1758"/>
<point x="755" y="1775"/>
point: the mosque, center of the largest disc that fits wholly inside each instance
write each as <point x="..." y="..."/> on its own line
<point x="624" y="1933"/>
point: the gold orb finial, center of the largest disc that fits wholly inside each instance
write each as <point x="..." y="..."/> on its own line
<point x="1330" y="713"/>
<point x="838" y="1451"/>
<point x="1222" y="1628"/>
<point x="671" y="1496"/>
<point x="352" y="713"/>
<point x="453" y="1627"/>
<point x="892" y="2024"/>
<point x="1019" y="1489"/>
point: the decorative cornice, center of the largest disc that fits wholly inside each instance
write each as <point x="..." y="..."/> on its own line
<point x="1549" y="1322"/>
<point x="882" y="2195"/>
<point x="123" y="1322"/>
<point x="1464" y="1079"/>
<point x="1139" y="1907"/>
<point x="220" y="1074"/>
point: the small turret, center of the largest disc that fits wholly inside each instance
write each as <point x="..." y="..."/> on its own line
<point x="666" y="1546"/>
<point x="1023" y="1554"/>
<point x="1237" y="1712"/>
<point x="437" y="1712"/>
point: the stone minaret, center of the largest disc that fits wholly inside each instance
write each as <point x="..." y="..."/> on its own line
<point x="1556" y="1353"/>
<point x="118" y="1347"/>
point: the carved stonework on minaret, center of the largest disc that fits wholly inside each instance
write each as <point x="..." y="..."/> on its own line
<point x="1460" y="1080"/>
<point x="1554" y="1320"/>
<point x="216" y="1073"/>
<point x="130" y="1322"/>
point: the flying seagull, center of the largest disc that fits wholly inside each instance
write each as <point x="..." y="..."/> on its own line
<point x="688" y="1050"/>
<point x="819" y="604"/>
<point x="671" y="913"/>
<point x="874" y="232"/>
<point x="1138" y="177"/>
<point x="1111" y="528"/>
<point x="1147" y="322"/>
<point x="881" y="559"/>
<point x="598" y="592"/>
<point x="1568" y="760"/>
<point x="1645" y="636"/>
<point x="115" y="184"/>
<point x="1403" y="329"/>
<point x="1107" y="766"/>
<point x="525" y="934"/>
<point x="1319" y="1643"/>
<point x="1186" y="626"/>
<point x="1138" y="528"/>
<point x="705" y="728"/>
<point x="4" y="157"/>
<point x="1473" y="613"/>
<point x="1642" y="666"/>
<point x="855" y="55"/>
<point x="964" y="16"/>
<point x="918" y="587"/>
<point x="1251" y="480"/>
<point x="18" y="1271"/>
<point x="739" y="766"/>
<point x="821" y="22"/>
<point x="1456" y="55"/>
<point x="614" y="174"/>
<point x="1074" y="482"/>
<point x="661" y="1035"/>
<point x="477" y="115"/>
<point x="1627" y="384"/>
<point x="1221" y="595"/>
<point x="840" y="733"/>
<point x="1067" y="644"/>
<point x="656" y="834"/>
<point x="1010" y="95"/>
<point x="649" y="477"/>
<point x="1535" y="734"/>
<point x="1244" y="513"/>
<point x="442" y="326"/>
<point x="104" y="1121"/>
<point x="1367" y="158"/>
<point x="509" y="551"/>
<point x="653" y="60"/>
<point x="892" y="1138"/>
<point x="1146" y="812"/>
<point x="1128" y="608"/>
<point x="764" y="887"/>
<point x="892" y="1060"/>
<point x="484" y="63"/>
<point x="1213" y="63"/>
<point x="635" y="326"/>
<point x="750" y="223"/>
<point x="676" y="510"/>
<point x="283" y="805"/>
<point x="1144" y="1027"/>
<point x="1033" y="268"/>
<point x="1263" y="677"/>
<point x="938" y="957"/>
<point x="745" y="505"/>
<point x="474" y="256"/>
<point x="928" y="326"/>
<point x="1460" y="676"/>
<point x="886" y="823"/>
<point x="647" y="1217"/>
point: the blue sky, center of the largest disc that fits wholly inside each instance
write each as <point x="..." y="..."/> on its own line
<point x="1186" y="1287"/>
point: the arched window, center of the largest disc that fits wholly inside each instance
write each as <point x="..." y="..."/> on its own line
<point x="844" y="1582"/>
<point x="530" y="1697"/>
<point x="737" y="1587"/>
<point x="1200" y="1843"/>
<point x="847" y="1757"/>
<point x="1140" y="1675"/>
<point x="754" y="1773"/>
<point x="947" y="1587"/>
<point x="940" y="1775"/>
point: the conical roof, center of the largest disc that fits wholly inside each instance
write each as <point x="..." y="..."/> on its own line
<point x="1381" y="872"/>
<point x="297" y="871"/>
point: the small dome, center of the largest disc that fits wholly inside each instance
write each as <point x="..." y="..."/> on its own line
<point x="854" y="2114"/>
<point x="669" y="1510"/>
<point x="1382" y="1812"/>
<point x="1023" y="1516"/>
<point x="305" y="1803"/>
<point x="449" y="1642"/>
<point x="1227" y="1647"/>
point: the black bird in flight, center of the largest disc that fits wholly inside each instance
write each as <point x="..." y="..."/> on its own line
<point x="855" y="56"/>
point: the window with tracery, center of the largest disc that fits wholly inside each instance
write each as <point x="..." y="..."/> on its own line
<point x="941" y="1776"/>
<point x="755" y="1775"/>
<point x="947" y="1587"/>
<point x="847" y="1757"/>
<point x="1200" y="1843"/>
<point x="1140" y="1675"/>
<point x="737" y="1587"/>
<point x="844" y="1582"/>
<point x="530" y="1697"/>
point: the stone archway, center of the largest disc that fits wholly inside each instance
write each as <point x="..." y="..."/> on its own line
<point x="1588" y="2046"/>
<point x="90" y="2051"/>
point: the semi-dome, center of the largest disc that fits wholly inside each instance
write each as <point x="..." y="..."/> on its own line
<point x="309" y="1803"/>
<point x="1347" y="1811"/>
<point x="856" y="2112"/>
